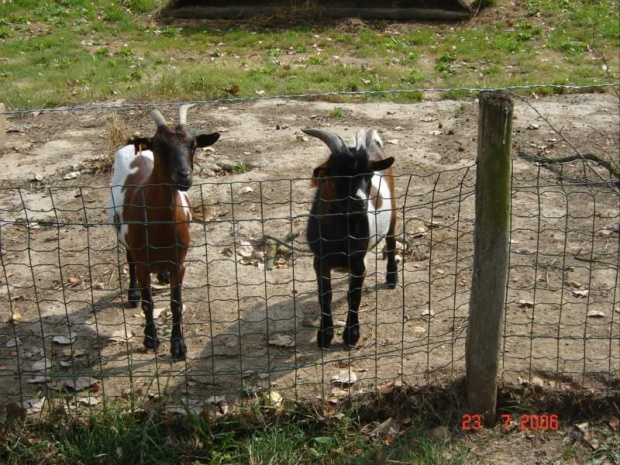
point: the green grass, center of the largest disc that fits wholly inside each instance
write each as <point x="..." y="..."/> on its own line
<point x="255" y="434"/>
<point x="77" y="51"/>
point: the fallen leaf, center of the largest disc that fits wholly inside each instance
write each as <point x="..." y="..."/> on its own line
<point x="275" y="399"/>
<point x="388" y="429"/>
<point x="79" y="384"/>
<point x="32" y="406"/>
<point x="233" y="90"/>
<point x="344" y="378"/>
<point x="440" y="433"/>
<point x="87" y="400"/>
<point x="583" y="427"/>
<point x="120" y="336"/>
<point x="13" y="410"/>
<point x="583" y="293"/>
<point x="71" y="175"/>
<point x="64" y="340"/>
<point x="42" y="364"/>
<point x="596" y="314"/>
<point x="282" y="340"/>
<point x="14" y="341"/>
<point x="245" y="190"/>
<point x="245" y="249"/>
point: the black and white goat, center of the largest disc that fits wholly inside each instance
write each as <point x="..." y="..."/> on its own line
<point x="150" y="208"/>
<point x="354" y="209"/>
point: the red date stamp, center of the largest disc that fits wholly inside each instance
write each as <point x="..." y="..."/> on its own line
<point x="526" y="422"/>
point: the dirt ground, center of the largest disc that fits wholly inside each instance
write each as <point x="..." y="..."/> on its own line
<point x="250" y="315"/>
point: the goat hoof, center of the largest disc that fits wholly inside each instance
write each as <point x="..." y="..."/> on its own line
<point x="324" y="338"/>
<point x="163" y="277"/>
<point x="351" y="335"/>
<point x="133" y="299"/>
<point x="178" y="350"/>
<point x="392" y="280"/>
<point x="151" y="342"/>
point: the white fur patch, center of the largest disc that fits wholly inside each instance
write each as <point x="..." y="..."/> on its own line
<point x="185" y="204"/>
<point x="375" y="137"/>
<point x="360" y="139"/>
<point x="120" y="171"/>
<point x="379" y="219"/>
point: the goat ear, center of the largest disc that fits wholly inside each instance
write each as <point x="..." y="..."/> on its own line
<point x="381" y="165"/>
<point x="318" y="172"/>
<point x="142" y="143"/>
<point x="205" y="140"/>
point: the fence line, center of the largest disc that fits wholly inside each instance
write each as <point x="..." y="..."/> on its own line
<point x="250" y="293"/>
<point x="252" y="329"/>
<point x="317" y="95"/>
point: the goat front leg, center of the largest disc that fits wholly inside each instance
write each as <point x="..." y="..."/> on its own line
<point x="392" y="269"/>
<point x="133" y="295"/>
<point x="178" y="350"/>
<point x="357" y="275"/>
<point x="151" y="341"/>
<point x="325" y="334"/>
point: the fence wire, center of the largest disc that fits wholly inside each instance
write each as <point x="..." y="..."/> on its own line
<point x="250" y="297"/>
<point x="251" y="309"/>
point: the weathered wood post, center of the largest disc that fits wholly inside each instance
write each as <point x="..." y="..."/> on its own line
<point x="2" y="126"/>
<point x="491" y="236"/>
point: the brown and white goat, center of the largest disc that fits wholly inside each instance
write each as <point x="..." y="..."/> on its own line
<point x="354" y="209"/>
<point x="150" y="208"/>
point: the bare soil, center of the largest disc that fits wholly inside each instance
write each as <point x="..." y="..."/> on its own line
<point x="250" y="326"/>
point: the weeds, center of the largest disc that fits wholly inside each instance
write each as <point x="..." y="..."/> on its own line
<point x="337" y="112"/>
<point x="399" y="425"/>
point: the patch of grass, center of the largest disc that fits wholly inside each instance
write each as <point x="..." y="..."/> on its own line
<point x="77" y="51"/>
<point x="240" y="167"/>
<point x="400" y="425"/>
<point x="294" y="433"/>
<point x="337" y="112"/>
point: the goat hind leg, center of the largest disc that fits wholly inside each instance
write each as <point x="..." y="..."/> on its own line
<point x="392" y="268"/>
<point x="151" y="341"/>
<point x="163" y="277"/>
<point x="178" y="350"/>
<point x="133" y="294"/>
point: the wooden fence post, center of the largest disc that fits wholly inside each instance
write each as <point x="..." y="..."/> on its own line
<point x="2" y="127"/>
<point x="491" y="236"/>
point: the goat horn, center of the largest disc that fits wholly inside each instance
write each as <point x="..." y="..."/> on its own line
<point x="333" y="141"/>
<point x="183" y="113"/>
<point x="159" y="119"/>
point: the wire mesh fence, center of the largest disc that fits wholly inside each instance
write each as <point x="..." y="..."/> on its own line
<point x="250" y="296"/>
